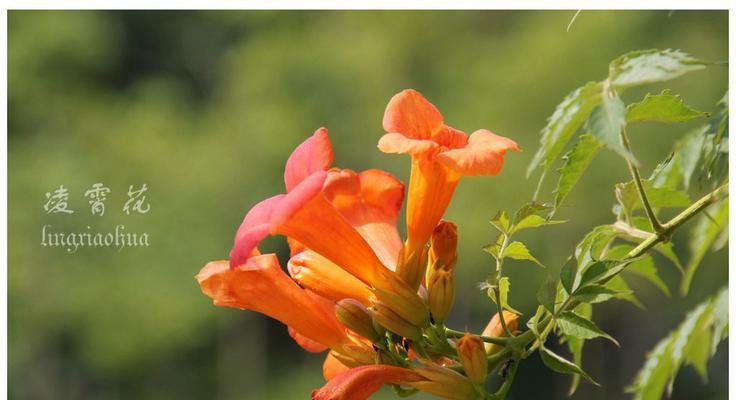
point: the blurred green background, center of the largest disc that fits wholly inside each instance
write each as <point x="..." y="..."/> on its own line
<point x="205" y="107"/>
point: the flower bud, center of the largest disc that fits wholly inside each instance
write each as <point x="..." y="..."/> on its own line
<point x="472" y="356"/>
<point x="355" y="316"/>
<point x="385" y="316"/>
<point x="443" y="250"/>
<point x="412" y="264"/>
<point x="441" y="294"/>
<point x="444" y="383"/>
<point x="402" y="300"/>
<point x="495" y="329"/>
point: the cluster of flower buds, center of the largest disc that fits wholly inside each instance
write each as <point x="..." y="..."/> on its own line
<point x="440" y="266"/>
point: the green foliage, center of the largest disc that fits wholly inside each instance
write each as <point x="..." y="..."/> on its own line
<point x="559" y="364"/>
<point x="702" y="237"/>
<point x="576" y="161"/>
<point x="580" y="327"/>
<point x="518" y="251"/>
<point x="643" y="67"/>
<point x="663" y="107"/>
<point x="564" y="122"/>
<point x="607" y="122"/>
<point x="629" y="199"/>
<point x="692" y="343"/>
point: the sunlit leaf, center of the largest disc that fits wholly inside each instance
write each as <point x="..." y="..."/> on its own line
<point x="659" y="197"/>
<point x="702" y="236"/>
<point x="663" y="107"/>
<point x="689" y="344"/>
<point x="564" y="122"/>
<point x="501" y="222"/>
<point x="518" y="251"/>
<point x="650" y="66"/>
<point x="576" y="161"/>
<point x="606" y="123"/>
<point x="533" y="221"/>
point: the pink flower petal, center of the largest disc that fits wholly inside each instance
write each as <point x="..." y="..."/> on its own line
<point x="314" y="154"/>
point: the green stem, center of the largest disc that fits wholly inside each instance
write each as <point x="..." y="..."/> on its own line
<point x="501" y="341"/>
<point x="499" y="264"/>
<point x="640" y="187"/>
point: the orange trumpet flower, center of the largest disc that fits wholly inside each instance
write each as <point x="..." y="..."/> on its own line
<point x="440" y="154"/>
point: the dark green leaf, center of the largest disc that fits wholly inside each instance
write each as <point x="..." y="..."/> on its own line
<point x="601" y="270"/>
<point x="624" y="292"/>
<point x="561" y="365"/>
<point x="576" y="346"/>
<point x="572" y="324"/>
<point x="606" y="123"/>
<point x="650" y="66"/>
<point x="576" y="161"/>
<point x="568" y="275"/>
<point x="546" y="295"/>
<point x="592" y="245"/>
<point x="663" y="107"/>
<point x="564" y="122"/>
<point x="702" y="236"/>
<point x="596" y="294"/>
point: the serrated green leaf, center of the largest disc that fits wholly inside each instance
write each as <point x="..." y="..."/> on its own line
<point x="663" y="107"/>
<point x="501" y="222"/>
<point x="650" y="66"/>
<point x="659" y="197"/>
<point x="576" y="161"/>
<point x="533" y="322"/>
<point x="518" y="251"/>
<point x="652" y="377"/>
<point x="720" y="319"/>
<point x="576" y="346"/>
<point x="606" y="123"/>
<point x="643" y="267"/>
<point x="569" y="275"/>
<point x="600" y="270"/>
<point x="564" y="122"/>
<point x="597" y="294"/>
<point x="686" y="345"/>
<point x="533" y="221"/>
<point x="592" y="245"/>
<point x="572" y="324"/>
<point x="527" y="210"/>
<point x="559" y="364"/>
<point x="702" y="236"/>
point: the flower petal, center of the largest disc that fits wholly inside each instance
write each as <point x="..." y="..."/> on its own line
<point x="332" y="367"/>
<point x="305" y="342"/>
<point x="430" y="189"/>
<point x="451" y="138"/>
<point x="260" y="285"/>
<point x="409" y="113"/>
<point x="361" y="382"/>
<point x="397" y="143"/>
<point x="483" y="155"/>
<point x="253" y="229"/>
<point x="320" y="275"/>
<point x="370" y="202"/>
<point x="314" y="154"/>
<point x="306" y="215"/>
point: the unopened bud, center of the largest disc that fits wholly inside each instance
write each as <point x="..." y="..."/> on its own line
<point x="495" y="329"/>
<point x="403" y="300"/>
<point x="441" y="294"/>
<point x="385" y="316"/>
<point x="472" y="356"/>
<point x="443" y="250"/>
<point x="355" y="316"/>
<point x="411" y="265"/>
<point x="444" y="383"/>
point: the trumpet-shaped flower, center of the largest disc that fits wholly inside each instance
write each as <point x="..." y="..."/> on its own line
<point x="440" y="154"/>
